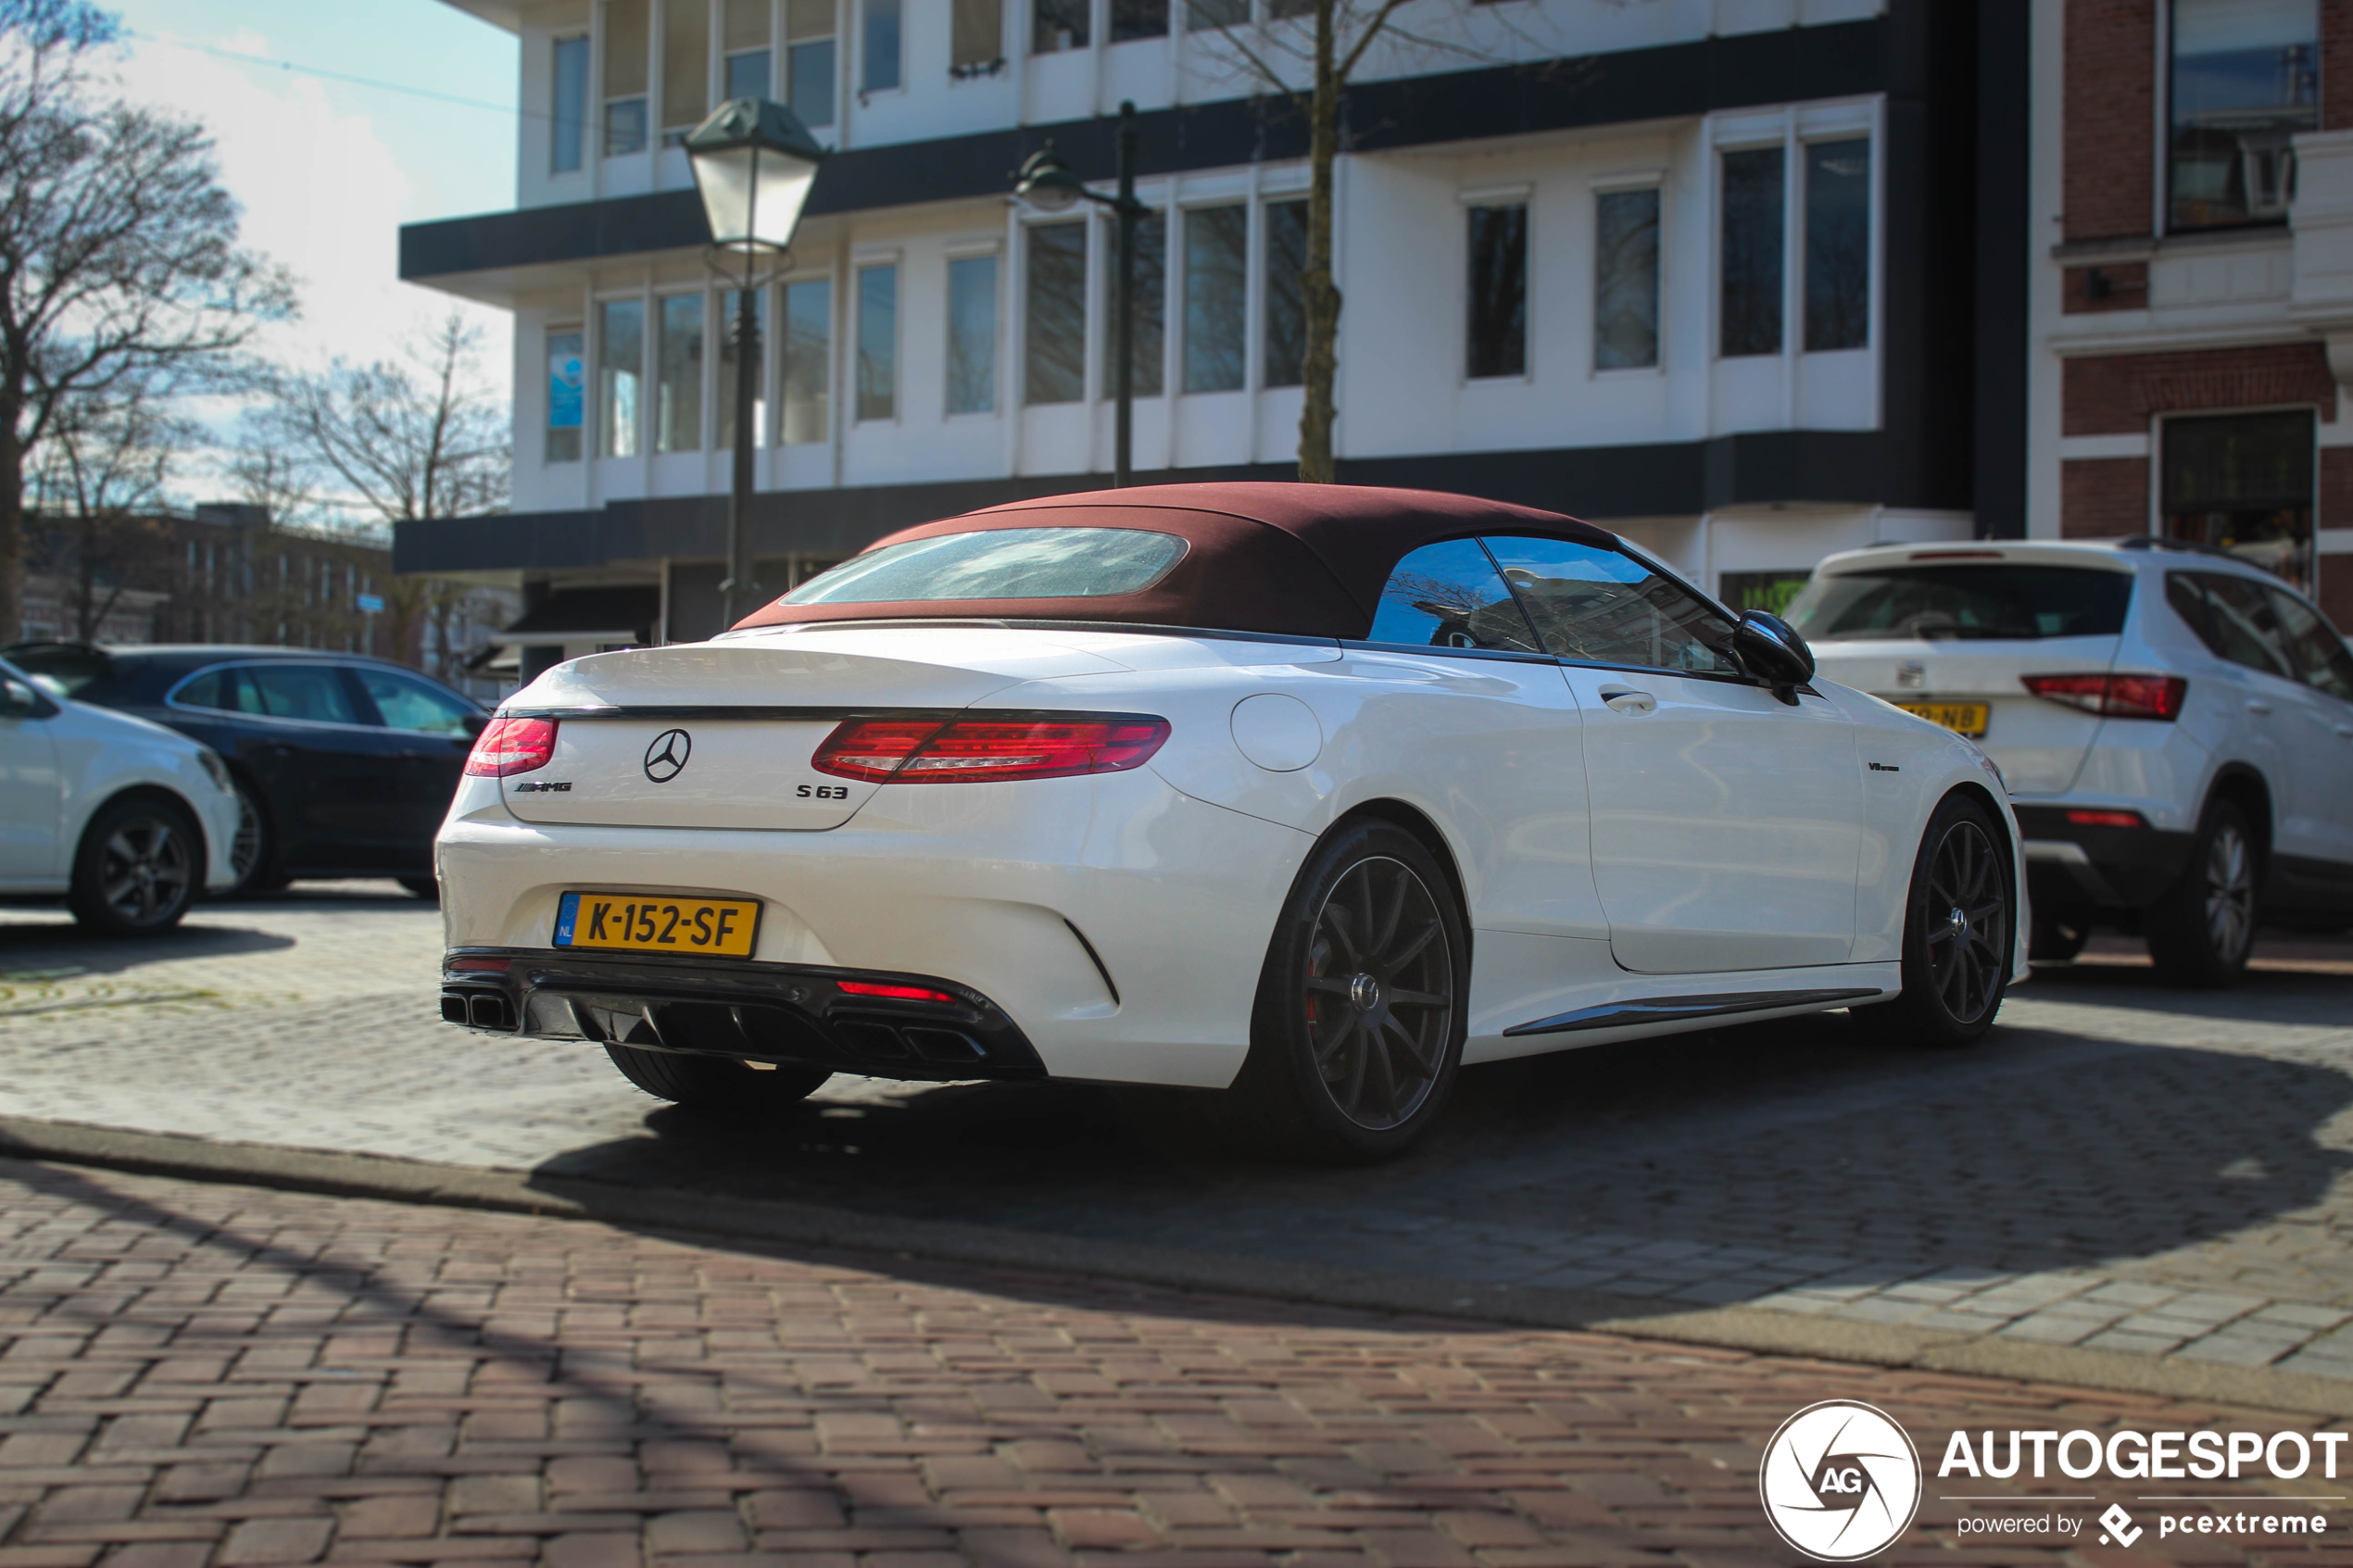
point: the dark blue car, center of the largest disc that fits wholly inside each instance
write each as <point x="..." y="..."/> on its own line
<point x="343" y="764"/>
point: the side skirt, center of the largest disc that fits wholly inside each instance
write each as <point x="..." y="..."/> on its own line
<point x="1676" y="1009"/>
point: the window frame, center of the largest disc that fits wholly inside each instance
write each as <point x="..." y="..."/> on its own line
<point x="993" y="253"/>
<point x="582" y="129"/>
<point x="860" y="265"/>
<point x="1600" y="190"/>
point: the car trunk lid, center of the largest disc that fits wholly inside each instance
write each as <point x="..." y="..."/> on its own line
<point x="2039" y="746"/>
<point x="720" y="735"/>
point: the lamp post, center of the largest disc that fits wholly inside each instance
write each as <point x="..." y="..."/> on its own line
<point x="1048" y="185"/>
<point x="754" y="163"/>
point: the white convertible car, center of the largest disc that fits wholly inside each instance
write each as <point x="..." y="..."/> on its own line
<point x="1311" y="794"/>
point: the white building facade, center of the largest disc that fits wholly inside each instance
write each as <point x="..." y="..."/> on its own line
<point x="1712" y="274"/>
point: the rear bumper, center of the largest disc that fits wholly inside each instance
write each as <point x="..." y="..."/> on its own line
<point x="791" y="1014"/>
<point x="2071" y="866"/>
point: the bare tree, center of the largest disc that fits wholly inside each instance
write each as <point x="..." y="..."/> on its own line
<point x="422" y="434"/>
<point x="119" y="255"/>
<point x="100" y="478"/>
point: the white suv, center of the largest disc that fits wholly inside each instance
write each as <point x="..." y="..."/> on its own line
<point x="2176" y="727"/>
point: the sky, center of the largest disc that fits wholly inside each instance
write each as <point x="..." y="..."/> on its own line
<point x="328" y="169"/>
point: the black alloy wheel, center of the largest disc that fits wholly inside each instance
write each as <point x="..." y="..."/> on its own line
<point x="2201" y="930"/>
<point x="247" y="850"/>
<point x="1959" y="928"/>
<point x="1358" y="1031"/>
<point x="138" y="869"/>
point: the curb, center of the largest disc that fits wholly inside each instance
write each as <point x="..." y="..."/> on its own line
<point x="1755" y="1329"/>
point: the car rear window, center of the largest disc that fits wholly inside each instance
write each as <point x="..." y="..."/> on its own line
<point x="1000" y="563"/>
<point x="2006" y="601"/>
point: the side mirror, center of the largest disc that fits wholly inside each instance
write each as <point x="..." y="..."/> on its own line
<point x="1774" y="653"/>
<point x="19" y="700"/>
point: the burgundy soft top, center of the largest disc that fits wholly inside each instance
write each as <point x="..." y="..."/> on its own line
<point x="1301" y="559"/>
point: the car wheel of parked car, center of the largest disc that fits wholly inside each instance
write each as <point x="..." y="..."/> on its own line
<point x="715" y="1082"/>
<point x="139" y="865"/>
<point x="1357" y="1034"/>
<point x="1959" y="931"/>
<point x="249" y="851"/>
<point x="2057" y="937"/>
<point x="424" y="887"/>
<point x="2201" y="930"/>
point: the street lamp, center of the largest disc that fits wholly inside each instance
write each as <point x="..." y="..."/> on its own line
<point x="1048" y="185"/>
<point x="754" y="163"/>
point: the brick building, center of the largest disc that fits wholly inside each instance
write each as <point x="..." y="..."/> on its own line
<point x="2191" y="279"/>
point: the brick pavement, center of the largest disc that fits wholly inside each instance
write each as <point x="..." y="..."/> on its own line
<point x="2119" y="1167"/>
<point x="209" y="1376"/>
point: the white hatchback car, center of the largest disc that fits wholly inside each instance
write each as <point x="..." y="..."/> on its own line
<point x="2175" y="725"/>
<point x="126" y="818"/>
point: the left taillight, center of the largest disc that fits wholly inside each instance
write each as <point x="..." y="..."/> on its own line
<point x="986" y="750"/>
<point x="512" y="745"/>
<point x="2113" y="696"/>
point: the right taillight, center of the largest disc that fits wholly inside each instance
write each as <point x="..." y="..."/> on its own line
<point x="512" y="745"/>
<point x="2113" y="696"/>
<point x="986" y="750"/>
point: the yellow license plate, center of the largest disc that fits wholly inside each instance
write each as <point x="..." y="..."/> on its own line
<point x="636" y="923"/>
<point x="1965" y="718"/>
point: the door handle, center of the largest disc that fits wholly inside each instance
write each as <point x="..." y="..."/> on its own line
<point x="2254" y="706"/>
<point x="1626" y="699"/>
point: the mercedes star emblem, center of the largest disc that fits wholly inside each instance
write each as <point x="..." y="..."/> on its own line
<point x="667" y="757"/>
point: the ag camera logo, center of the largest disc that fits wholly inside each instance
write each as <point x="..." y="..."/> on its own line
<point x="1841" y="1481"/>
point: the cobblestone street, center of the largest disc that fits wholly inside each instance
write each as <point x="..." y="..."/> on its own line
<point x="212" y="1376"/>
<point x="2121" y="1166"/>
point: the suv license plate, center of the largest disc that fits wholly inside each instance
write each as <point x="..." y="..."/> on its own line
<point x="1962" y="717"/>
<point x="636" y="923"/>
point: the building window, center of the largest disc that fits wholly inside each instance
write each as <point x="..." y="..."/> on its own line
<point x="972" y="335"/>
<point x="744" y="33"/>
<point x="877" y="343"/>
<point x="878" y="47"/>
<point x="1286" y="300"/>
<point x="1139" y="18"/>
<point x="1838" y="245"/>
<point x="1498" y="324"/>
<point x="686" y="67"/>
<point x="976" y="37"/>
<point x="678" y="375"/>
<point x="808" y="60"/>
<point x="570" y="119"/>
<point x="626" y="50"/>
<point x="809" y="339"/>
<point x="1752" y="261"/>
<point x="1054" y="360"/>
<point x="1771" y="591"/>
<point x="1151" y="307"/>
<point x="1626" y="280"/>
<point x="1216" y="297"/>
<point x="2245" y="78"/>
<point x="730" y="303"/>
<point x="1057" y="25"/>
<point x="1201" y="15"/>
<point x="621" y="367"/>
<point x="2243" y="482"/>
<point x="567" y="378"/>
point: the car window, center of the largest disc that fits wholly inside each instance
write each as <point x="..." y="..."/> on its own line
<point x="407" y="703"/>
<point x="1000" y="563"/>
<point x="1449" y="596"/>
<point x="226" y="689"/>
<point x="2321" y="657"/>
<point x="1603" y="606"/>
<point x="302" y="691"/>
<point x="2240" y="623"/>
<point x="1996" y="601"/>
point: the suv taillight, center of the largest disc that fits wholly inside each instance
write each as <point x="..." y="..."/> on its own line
<point x="512" y="745"/>
<point x="980" y="750"/>
<point x="2113" y="696"/>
